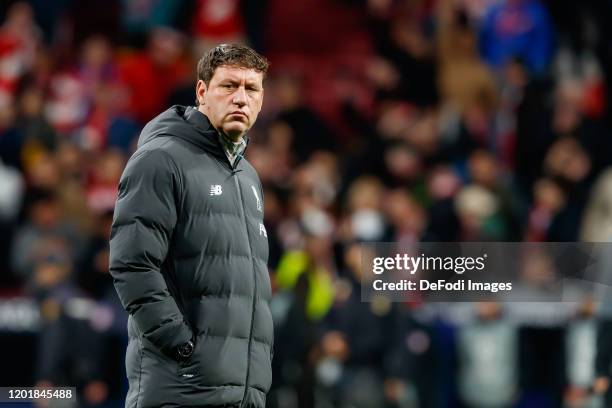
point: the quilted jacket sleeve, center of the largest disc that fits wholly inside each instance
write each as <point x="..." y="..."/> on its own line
<point x="143" y="223"/>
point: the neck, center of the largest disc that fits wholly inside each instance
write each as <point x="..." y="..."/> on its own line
<point x="234" y="140"/>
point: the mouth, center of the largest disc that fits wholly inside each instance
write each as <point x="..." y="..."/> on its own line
<point x="238" y="113"/>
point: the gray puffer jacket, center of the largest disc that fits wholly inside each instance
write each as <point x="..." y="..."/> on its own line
<point x="189" y="260"/>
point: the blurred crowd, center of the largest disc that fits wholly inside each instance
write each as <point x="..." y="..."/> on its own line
<point x="383" y="120"/>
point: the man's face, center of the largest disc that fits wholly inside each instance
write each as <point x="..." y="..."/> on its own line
<point x="232" y="100"/>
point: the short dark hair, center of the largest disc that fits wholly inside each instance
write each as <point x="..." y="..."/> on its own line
<point x="234" y="55"/>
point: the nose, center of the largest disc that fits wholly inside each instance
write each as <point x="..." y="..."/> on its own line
<point x="240" y="96"/>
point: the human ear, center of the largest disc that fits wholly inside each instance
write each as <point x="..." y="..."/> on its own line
<point x="201" y="92"/>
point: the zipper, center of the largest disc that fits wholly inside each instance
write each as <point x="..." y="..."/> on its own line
<point x="243" y="214"/>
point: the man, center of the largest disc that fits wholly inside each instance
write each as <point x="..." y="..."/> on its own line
<point x="189" y="248"/>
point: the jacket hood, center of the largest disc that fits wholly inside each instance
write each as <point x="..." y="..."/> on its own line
<point x="187" y="123"/>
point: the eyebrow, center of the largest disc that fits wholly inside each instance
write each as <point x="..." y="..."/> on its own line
<point x="236" y="81"/>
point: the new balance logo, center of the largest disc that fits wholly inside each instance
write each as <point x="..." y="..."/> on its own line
<point x="216" y="189"/>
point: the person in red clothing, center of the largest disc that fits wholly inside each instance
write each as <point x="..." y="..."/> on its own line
<point x="216" y="21"/>
<point x="20" y="38"/>
<point x="150" y="76"/>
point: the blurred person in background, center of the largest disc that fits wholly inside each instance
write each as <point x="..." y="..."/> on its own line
<point x="150" y="75"/>
<point x="462" y="77"/>
<point x="352" y="343"/>
<point x="20" y="38"/>
<point x="304" y="284"/>
<point x="517" y="28"/>
<point x="485" y="171"/>
<point x="568" y="161"/>
<point x="406" y="216"/>
<point x="139" y="18"/>
<point x="107" y="317"/>
<point x="44" y="221"/>
<point x="308" y="132"/>
<point x="548" y="200"/>
<point x="596" y="224"/>
<point x="596" y="227"/>
<point x="304" y="295"/>
<point x="442" y="186"/>
<point x="488" y="353"/>
<point x="581" y="351"/>
<point x="364" y="218"/>
<point x="13" y="188"/>
<point x="36" y="131"/>
<point x="107" y="122"/>
<point x="542" y="328"/>
<point x="313" y="263"/>
<point x="101" y="190"/>
<point x="478" y="214"/>
<point x="412" y="362"/>
<point x="405" y="41"/>
<point x="93" y="272"/>
<point x="81" y="89"/>
<point x="217" y="21"/>
<point x="603" y="354"/>
<point x="70" y="349"/>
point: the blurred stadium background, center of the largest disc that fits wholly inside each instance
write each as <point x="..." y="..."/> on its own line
<point x="384" y="120"/>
